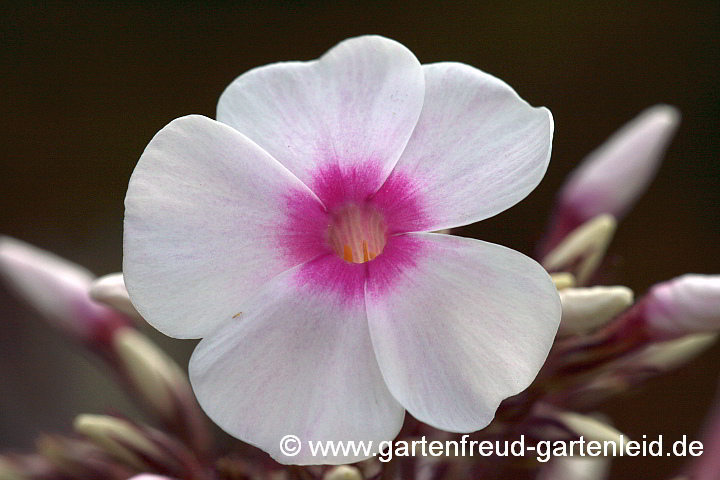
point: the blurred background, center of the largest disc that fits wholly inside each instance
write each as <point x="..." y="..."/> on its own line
<point x="85" y="86"/>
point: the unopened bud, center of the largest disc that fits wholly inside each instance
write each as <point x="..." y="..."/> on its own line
<point x="665" y="356"/>
<point x="707" y="465"/>
<point x="149" y="476"/>
<point x="616" y="174"/>
<point x="110" y="290"/>
<point x="563" y="280"/>
<point x="58" y="290"/>
<point x="586" y="309"/>
<point x="26" y="467"/>
<point x="575" y="468"/>
<point x="142" y="447"/>
<point x="687" y="304"/>
<point x="582" y="251"/>
<point x="79" y="459"/>
<point x="10" y="472"/>
<point x="578" y="425"/>
<point x="621" y="374"/>
<point x="119" y="438"/>
<point x="162" y="384"/>
<point x="343" y="472"/>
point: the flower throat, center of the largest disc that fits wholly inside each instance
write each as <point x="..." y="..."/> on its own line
<point x="357" y="233"/>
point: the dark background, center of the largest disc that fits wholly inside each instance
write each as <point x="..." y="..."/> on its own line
<point x="86" y="85"/>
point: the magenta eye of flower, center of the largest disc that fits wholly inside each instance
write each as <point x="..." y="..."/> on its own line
<point x="357" y="233"/>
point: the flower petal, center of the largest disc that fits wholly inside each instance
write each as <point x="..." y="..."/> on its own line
<point x="477" y="150"/>
<point x="298" y="361"/>
<point x="458" y="325"/>
<point x="348" y="114"/>
<point x="210" y="217"/>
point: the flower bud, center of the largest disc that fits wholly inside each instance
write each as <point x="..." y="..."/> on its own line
<point x="563" y="280"/>
<point x="162" y="385"/>
<point x="686" y="304"/>
<point x="9" y="472"/>
<point x="625" y="372"/>
<point x="343" y="472"/>
<point x="141" y="447"/>
<point x="564" y="425"/>
<point x="616" y="174"/>
<point x="586" y="309"/>
<point x="26" y="467"/>
<point x="707" y="465"/>
<point x="581" y="252"/>
<point x="110" y="290"/>
<point x="663" y="357"/>
<point x="149" y="476"/>
<point x="79" y="459"/>
<point x="575" y="468"/>
<point x="119" y="438"/>
<point x="58" y="290"/>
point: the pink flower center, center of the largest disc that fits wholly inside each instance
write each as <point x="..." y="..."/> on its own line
<point x="357" y="233"/>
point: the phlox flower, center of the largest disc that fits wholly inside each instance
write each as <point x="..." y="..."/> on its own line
<point x="291" y="236"/>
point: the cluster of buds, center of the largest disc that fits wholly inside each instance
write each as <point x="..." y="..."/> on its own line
<point x="607" y="343"/>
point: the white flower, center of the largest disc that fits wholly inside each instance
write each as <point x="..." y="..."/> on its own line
<point x="284" y="234"/>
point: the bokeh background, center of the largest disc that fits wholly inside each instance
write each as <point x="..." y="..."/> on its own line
<point x="85" y="85"/>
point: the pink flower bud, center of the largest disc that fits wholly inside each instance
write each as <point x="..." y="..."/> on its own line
<point x="616" y="174"/>
<point x="140" y="446"/>
<point x="575" y="468"/>
<point x="149" y="476"/>
<point x="707" y="465"/>
<point x="687" y="304"/>
<point x="58" y="290"/>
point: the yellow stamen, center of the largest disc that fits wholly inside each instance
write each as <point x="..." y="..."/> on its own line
<point x="366" y="255"/>
<point x="347" y="253"/>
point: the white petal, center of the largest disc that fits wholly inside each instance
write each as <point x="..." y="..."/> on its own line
<point x="613" y="176"/>
<point x="298" y="361"/>
<point x="458" y="325"/>
<point x="477" y="149"/>
<point x="110" y="290"/>
<point x="210" y="217"/>
<point x="348" y="114"/>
